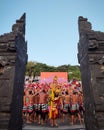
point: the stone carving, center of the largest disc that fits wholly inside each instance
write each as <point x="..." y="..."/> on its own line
<point x="96" y="59"/>
<point x="7" y="60"/>
<point x="91" y="59"/>
<point x="13" y="58"/>
<point x="92" y="44"/>
<point x="7" y="47"/>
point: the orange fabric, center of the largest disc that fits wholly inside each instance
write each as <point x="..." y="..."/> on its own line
<point x="45" y="75"/>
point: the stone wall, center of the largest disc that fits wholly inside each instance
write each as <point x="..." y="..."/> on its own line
<point x="13" y="58"/>
<point x="91" y="59"/>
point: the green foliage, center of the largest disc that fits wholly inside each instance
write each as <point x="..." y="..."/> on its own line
<point x="74" y="73"/>
<point x="34" y="69"/>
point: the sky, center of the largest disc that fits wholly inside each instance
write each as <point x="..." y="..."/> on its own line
<point x="52" y="26"/>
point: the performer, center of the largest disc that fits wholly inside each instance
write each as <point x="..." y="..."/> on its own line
<point x="27" y="104"/>
<point x="36" y="102"/>
<point x="75" y="107"/>
<point x="30" y="105"/>
<point x="81" y="107"/>
<point x="53" y="113"/>
<point x="24" y="111"/>
<point x="66" y="104"/>
<point x="43" y="106"/>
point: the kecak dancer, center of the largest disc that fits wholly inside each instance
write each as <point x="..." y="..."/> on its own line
<point x="75" y="107"/>
<point x="66" y="104"/>
<point x="24" y="111"/>
<point x="43" y="106"/>
<point x="28" y="104"/>
<point x="36" y="102"/>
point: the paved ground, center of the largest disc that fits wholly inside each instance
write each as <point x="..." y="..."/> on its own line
<point x="62" y="126"/>
<point x="32" y="127"/>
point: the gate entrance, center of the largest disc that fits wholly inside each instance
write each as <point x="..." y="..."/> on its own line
<point x="13" y="59"/>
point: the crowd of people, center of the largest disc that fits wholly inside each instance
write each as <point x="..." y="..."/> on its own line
<point x="49" y="102"/>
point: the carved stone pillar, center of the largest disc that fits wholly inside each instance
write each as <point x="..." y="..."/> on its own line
<point x="13" y="58"/>
<point x="91" y="59"/>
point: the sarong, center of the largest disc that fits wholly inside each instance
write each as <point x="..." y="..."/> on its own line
<point x="43" y="107"/>
<point x="74" y="108"/>
<point x="54" y="113"/>
<point x="30" y="108"/>
<point x="35" y="106"/>
<point x="66" y="108"/>
<point x="24" y="109"/>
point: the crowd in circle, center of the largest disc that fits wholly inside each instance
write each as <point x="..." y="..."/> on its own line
<point x="49" y="102"/>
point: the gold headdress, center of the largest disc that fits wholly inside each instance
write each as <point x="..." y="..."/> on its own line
<point x="55" y="78"/>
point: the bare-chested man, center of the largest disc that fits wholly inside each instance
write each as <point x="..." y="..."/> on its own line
<point x="43" y="106"/>
<point x="75" y="107"/>
<point x="36" y="102"/>
<point x="24" y="111"/>
<point x="81" y="107"/>
<point x="26" y="103"/>
<point x="66" y="103"/>
<point x="29" y="102"/>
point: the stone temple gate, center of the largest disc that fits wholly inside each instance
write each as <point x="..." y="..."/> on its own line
<point x="91" y="59"/>
<point x="13" y="58"/>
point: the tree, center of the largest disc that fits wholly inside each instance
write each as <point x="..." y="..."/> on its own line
<point x="35" y="68"/>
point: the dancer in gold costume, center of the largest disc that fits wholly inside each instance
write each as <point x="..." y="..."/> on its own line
<point x="53" y="112"/>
